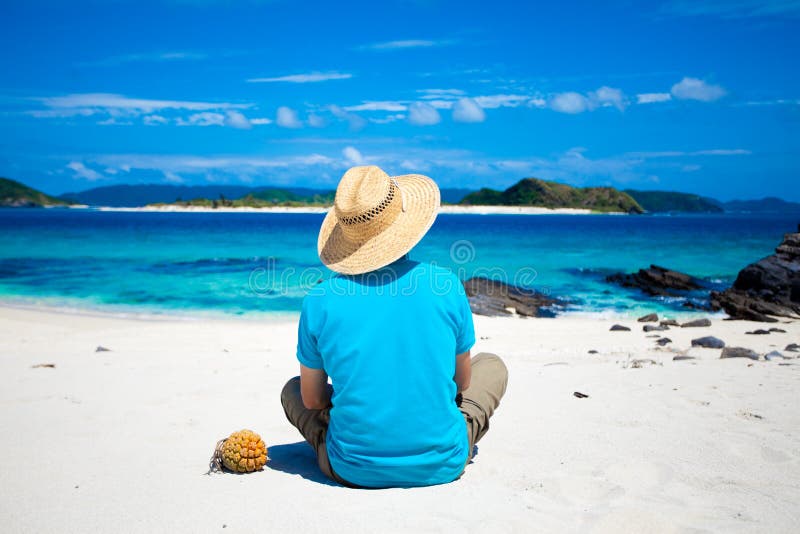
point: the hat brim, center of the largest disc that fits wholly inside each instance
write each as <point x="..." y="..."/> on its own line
<point x="343" y="255"/>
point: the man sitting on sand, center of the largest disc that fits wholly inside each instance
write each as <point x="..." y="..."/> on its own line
<point x="407" y="403"/>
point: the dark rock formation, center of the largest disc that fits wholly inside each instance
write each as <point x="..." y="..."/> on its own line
<point x="669" y="322"/>
<point x="495" y="298"/>
<point x="739" y="352"/>
<point x="709" y="342"/>
<point x="768" y="288"/>
<point x="696" y="323"/>
<point x="792" y="347"/>
<point x="777" y="330"/>
<point x="649" y="318"/>
<point x="657" y="281"/>
<point x="619" y="328"/>
<point x="759" y="332"/>
<point x="654" y="328"/>
<point x="663" y="341"/>
<point x="774" y="355"/>
<point x="683" y="358"/>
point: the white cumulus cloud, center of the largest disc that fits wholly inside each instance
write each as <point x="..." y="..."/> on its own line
<point x="236" y="119"/>
<point x="422" y="114"/>
<point x="569" y="102"/>
<point x="172" y="178"/>
<point x="259" y="121"/>
<point x="440" y="104"/>
<point x="436" y="94"/>
<point x="388" y="118"/>
<point x="695" y="89"/>
<point x="380" y="105"/>
<point x="467" y="110"/>
<point x="608" y="96"/>
<point x="82" y="171"/>
<point x="287" y="118"/>
<point x="356" y="121"/>
<point x="315" y="121"/>
<point x="206" y="118"/>
<point x="87" y="103"/>
<point x="501" y="101"/>
<point x="652" y="98"/>
<point x="408" y="43"/>
<point x="353" y="156"/>
<point x="309" y="77"/>
<point x="152" y="120"/>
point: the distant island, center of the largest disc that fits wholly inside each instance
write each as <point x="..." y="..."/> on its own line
<point x="765" y="205"/>
<point x="546" y="194"/>
<point x="528" y="194"/>
<point x="264" y="198"/>
<point x="14" y="194"/>
<point x="132" y="196"/>
<point x="672" y="201"/>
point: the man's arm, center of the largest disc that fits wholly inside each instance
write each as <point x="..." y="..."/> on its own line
<point x="463" y="371"/>
<point x="314" y="388"/>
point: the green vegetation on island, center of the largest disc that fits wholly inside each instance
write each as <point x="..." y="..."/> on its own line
<point x="532" y="192"/>
<point x="671" y="201"/>
<point x="16" y="195"/>
<point x="547" y="194"/>
<point x="263" y="198"/>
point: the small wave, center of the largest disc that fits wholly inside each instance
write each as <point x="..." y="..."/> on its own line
<point x="208" y="265"/>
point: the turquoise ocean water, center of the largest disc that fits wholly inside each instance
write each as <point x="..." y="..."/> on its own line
<point x="235" y="264"/>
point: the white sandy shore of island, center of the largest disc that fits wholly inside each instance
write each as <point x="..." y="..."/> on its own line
<point x="119" y="441"/>
<point x="462" y="210"/>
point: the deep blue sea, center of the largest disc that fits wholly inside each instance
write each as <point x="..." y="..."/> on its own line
<point x="252" y="263"/>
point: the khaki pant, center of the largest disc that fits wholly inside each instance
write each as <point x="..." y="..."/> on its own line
<point x="477" y="403"/>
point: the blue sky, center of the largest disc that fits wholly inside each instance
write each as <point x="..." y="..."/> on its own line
<point x="678" y="95"/>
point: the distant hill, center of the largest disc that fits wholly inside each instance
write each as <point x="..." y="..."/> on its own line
<point x="16" y="195"/>
<point x="261" y="198"/>
<point x="526" y="192"/>
<point x="454" y="195"/>
<point x="547" y="194"/>
<point x="765" y="205"/>
<point x="288" y="197"/>
<point x="130" y="196"/>
<point x="671" y="201"/>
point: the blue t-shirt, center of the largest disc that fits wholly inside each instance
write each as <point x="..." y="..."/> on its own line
<point x="388" y="340"/>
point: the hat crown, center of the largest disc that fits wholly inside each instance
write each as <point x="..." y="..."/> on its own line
<point x="367" y="201"/>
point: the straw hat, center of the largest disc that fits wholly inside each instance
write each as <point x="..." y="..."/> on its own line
<point x="376" y="219"/>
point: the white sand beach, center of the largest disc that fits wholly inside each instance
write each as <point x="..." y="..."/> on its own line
<point x="463" y="210"/>
<point x="119" y="441"/>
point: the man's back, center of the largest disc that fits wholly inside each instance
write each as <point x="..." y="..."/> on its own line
<point x="388" y="340"/>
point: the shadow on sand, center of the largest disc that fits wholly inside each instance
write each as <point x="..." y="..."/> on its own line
<point x="297" y="459"/>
